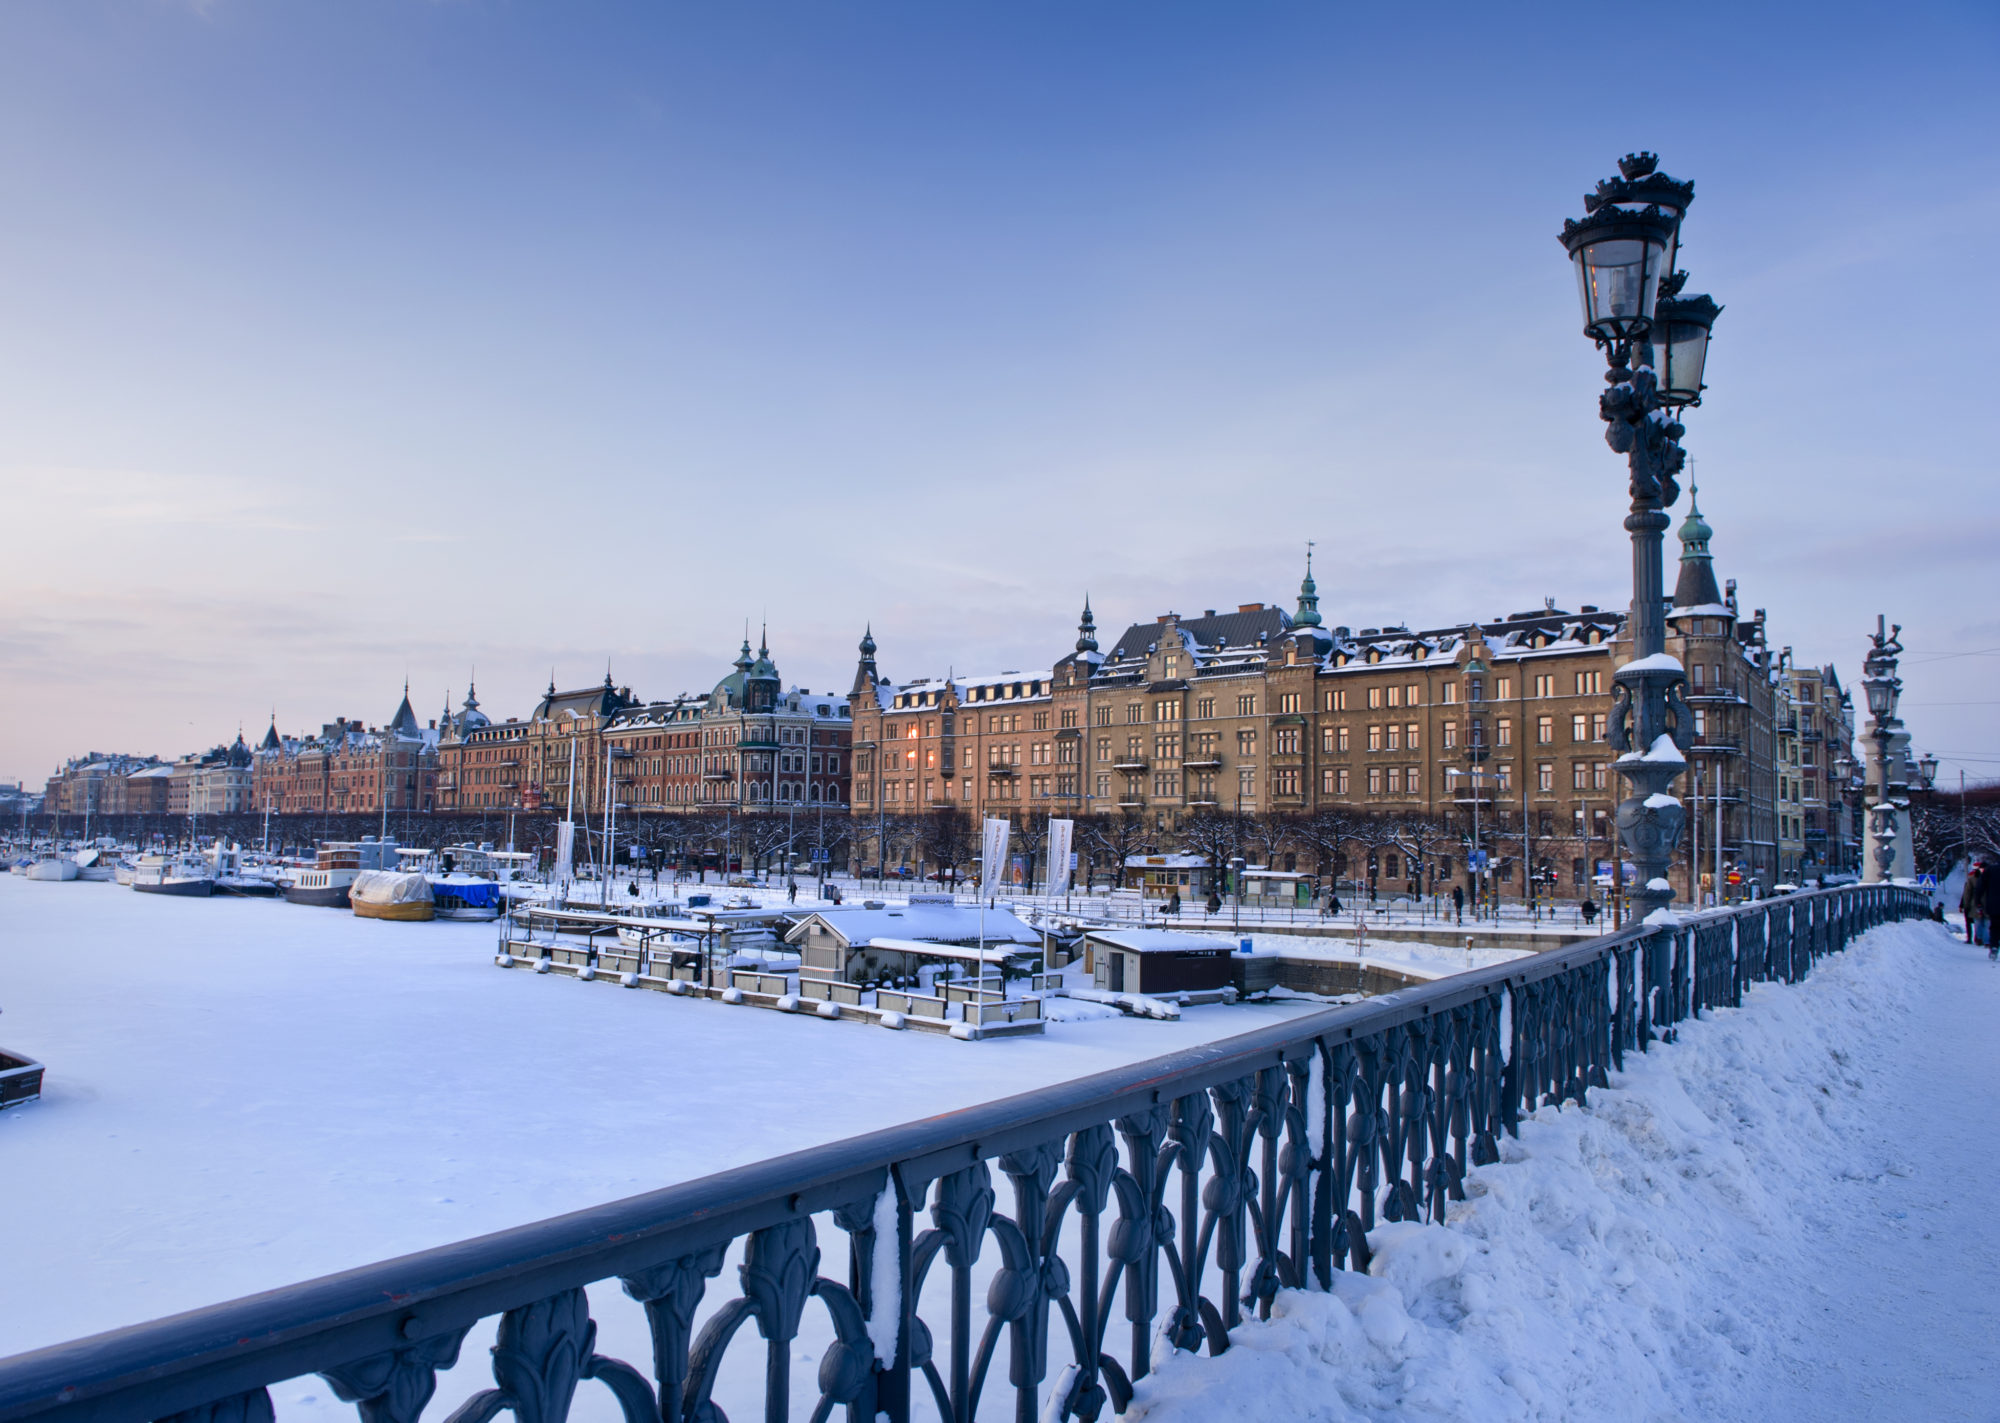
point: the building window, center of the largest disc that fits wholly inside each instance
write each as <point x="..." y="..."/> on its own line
<point x="1599" y="775"/>
<point x="1395" y="737"/>
<point x="1069" y="716"/>
<point x="1204" y="707"/>
<point x="1340" y="738"/>
<point x="1288" y="704"/>
<point x="1591" y="684"/>
<point x="1395" y="777"/>
<point x="1104" y="787"/>
<point x="1505" y="774"/>
<point x="1285" y="781"/>
<point x="1134" y="713"/>
<point x="1545" y="776"/>
<point x="1374" y="736"/>
<point x="1170" y="665"/>
<point x="1410" y="737"/>
<point x="1374" y="780"/>
<point x="1545" y="684"/>
<point x="1413" y="695"/>
<point x="1579" y="777"/>
<point x="1167" y="709"/>
<point x="1503" y="732"/>
<point x="1326" y="740"/>
<point x="1475" y="689"/>
<point x="1395" y="696"/>
<point x="1600" y="725"/>
<point x="1340" y="781"/>
<point x="1374" y="699"/>
<point x="1450" y="735"/>
<point x="1104" y="716"/>
<point x="1545" y="731"/>
<point x="1246" y="742"/>
<point x="1451" y="693"/>
<point x="1246" y="782"/>
<point x="1246" y="705"/>
<point x="1285" y="741"/>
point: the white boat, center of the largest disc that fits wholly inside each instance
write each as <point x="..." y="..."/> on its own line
<point x="94" y="865"/>
<point x="53" y="866"/>
<point x="232" y="876"/>
<point x="189" y="877"/>
<point x="122" y="871"/>
<point x="334" y="871"/>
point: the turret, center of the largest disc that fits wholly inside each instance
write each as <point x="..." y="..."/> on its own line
<point x="1308" y="614"/>
<point x="1086" y="631"/>
<point x="865" y="674"/>
<point x="1696" y="586"/>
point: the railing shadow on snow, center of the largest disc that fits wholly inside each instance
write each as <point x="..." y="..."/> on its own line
<point x="1177" y="1193"/>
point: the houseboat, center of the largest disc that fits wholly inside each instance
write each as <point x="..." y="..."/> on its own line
<point x="334" y="870"/>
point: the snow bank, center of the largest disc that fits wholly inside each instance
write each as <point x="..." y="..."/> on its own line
<point x="1641" y="1259"/>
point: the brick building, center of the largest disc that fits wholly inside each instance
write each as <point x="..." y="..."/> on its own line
<point x="1264" y="711"/>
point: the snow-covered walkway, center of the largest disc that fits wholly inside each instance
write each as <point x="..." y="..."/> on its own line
<point x="1789" y="1215"/>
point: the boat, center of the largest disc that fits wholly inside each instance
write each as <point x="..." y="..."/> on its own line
<point x="122" y="871"/>
<point x="233" y="877"/>
<point x="52" y="866"/>
<point x="334" y="870"/>
<point x="461" y="896"/>
<point x="94" y="865"/>
<point x="391" y="894"/>
<point x="188" y="877"/>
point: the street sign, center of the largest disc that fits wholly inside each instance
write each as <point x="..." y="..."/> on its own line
<point x="1734" y="877"/>
<point x="1477" y="860"/>
<point x="1926" y="881"/>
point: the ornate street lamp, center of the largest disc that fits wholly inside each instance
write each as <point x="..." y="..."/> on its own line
<point x="1624" y="250"/>
<point x="1927" y="768"/>
<point x="1884" y="689"/>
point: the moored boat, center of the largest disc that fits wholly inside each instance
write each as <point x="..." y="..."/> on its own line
<point x="188" y="878"/>
<point x="457" y="896"/>
<point x="52" y="867"/>
<point x="94" y="865"/>
<point x="334" y="870"/>
<point x="391" y="894"/>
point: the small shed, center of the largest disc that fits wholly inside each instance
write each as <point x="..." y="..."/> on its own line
<point x="1164" y="876"/>
<point x="841" y="943"/>
<point x="1270" y="887"/>
<point x="1156" y="961"/>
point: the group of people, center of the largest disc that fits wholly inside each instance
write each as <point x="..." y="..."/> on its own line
<point x="1979" y="902"/>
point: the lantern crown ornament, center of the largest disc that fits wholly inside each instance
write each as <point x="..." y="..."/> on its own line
<point x="1624" y="246"/>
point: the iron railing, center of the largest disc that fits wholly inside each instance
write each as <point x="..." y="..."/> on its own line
<point x="1247" y="1166"/>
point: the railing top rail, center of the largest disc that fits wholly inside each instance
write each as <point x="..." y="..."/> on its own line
<point x="150" y="1369"/>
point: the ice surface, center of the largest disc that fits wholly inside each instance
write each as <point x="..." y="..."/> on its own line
<point x="242" y="1094"/>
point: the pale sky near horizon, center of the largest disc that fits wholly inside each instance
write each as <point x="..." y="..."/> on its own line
<point x="347" y="343"/>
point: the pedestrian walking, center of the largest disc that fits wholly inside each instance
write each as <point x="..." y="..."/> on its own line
<point x="791" y="891"/>
<point x="1458" y="902"/>
<point x="1989" y="894"/>
<point x="1972" y="901"/>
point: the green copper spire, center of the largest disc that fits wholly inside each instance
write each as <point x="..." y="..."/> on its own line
<point x="1308" y="613"/>
<point x="1695" y="531"/>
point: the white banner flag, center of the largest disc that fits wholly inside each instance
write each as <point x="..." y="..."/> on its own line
<point x="993" y="854"/>
<point x="565" y="849"/>
<point x="1059" y="838"/>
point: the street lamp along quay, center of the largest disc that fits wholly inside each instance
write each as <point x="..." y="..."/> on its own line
<point x="1655" y="341"/>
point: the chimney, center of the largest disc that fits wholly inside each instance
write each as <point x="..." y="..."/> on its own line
<point x="1249" y="607"/>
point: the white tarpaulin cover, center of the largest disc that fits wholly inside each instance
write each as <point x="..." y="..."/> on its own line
<point x="384" y="887"/>
<point x="565" y="849"/>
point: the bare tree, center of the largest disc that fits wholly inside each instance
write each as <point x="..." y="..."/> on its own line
<point x="1217" y="836"/>
<point x="1030" y="834"/>
<point x="946" y="833"/>
<point x="1118" y="837"/>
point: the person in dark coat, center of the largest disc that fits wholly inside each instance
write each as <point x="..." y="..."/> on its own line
<point x="1972" y="901"/>
<point x="1989" y="883"/>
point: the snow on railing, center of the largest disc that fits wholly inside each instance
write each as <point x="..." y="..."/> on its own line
<point x="1177" y="1192"/>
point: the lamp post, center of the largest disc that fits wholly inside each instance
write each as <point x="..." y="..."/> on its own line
<point x="1656" y="343"/>
<point x="1884" y="688"/>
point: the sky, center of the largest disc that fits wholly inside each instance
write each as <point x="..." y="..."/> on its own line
<point x="429" y="339"/>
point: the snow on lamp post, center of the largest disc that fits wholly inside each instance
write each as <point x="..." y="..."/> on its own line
<point x="1884" y="689"/>
<point x="1656" y="344"/>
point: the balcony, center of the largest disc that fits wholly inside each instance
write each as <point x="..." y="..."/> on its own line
<point x="1130" y="764"/>
<point x="1711" y="694"/>
<point x="999" y="769"/>
<point x="1204" y="760"/>
<point x="1131" y="800"/>
<point x="1708" y="744"/>
<point x="718" y="775"/>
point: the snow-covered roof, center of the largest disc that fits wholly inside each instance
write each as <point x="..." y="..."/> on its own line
<point x="936" y="923"/>
<point x="1159" y="941"/>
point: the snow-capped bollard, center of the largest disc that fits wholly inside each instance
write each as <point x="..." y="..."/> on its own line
<point x="892" y="1019"/>
<point x="679" y="987"/>
<point x="504" y="960"/>
<point x="787" y="1003"/>
<point x="732" y="995"/>
<point x="965" y="1032"/>
<point x="543" y="965"/>
<point x="587" y="972"/>
<point x="628" y="980"/>
<point x="827" y="1008"/>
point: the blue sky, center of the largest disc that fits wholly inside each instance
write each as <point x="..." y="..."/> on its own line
<point x="344" y="343"/>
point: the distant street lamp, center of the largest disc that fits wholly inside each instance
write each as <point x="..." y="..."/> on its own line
<point x="1884" y="689"/>
<point x="1656" y="345"/>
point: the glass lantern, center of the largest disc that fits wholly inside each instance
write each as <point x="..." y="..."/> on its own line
<point x="1619" y="257"/>
<point x="1681" y="326"/>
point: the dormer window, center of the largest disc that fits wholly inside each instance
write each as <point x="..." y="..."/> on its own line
<point x="1170" y="665"/>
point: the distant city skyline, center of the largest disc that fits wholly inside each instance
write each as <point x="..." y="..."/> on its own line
<point x="339" y="346"/>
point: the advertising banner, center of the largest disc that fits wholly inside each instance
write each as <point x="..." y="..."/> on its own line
<point x="1060" y="858"/>
<point x="565" y="849"/>
<point x="993" y="854"/>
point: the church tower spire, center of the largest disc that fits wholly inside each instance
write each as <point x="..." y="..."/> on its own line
<point x="1086" y="631"/>
<point x="1308" y="614"/>
<point x="1696" y="587"/>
